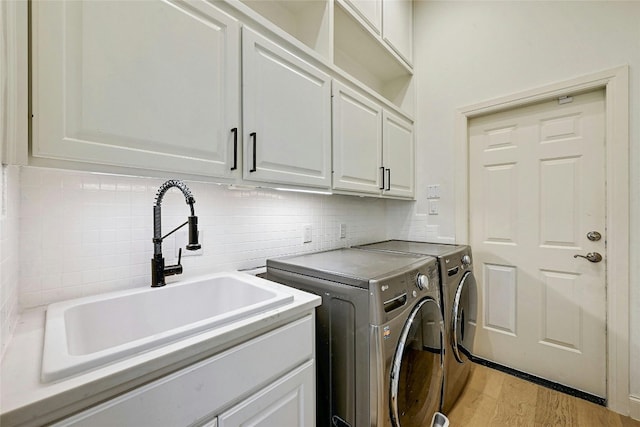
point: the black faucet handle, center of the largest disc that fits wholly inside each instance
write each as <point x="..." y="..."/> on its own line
<point x="170" y="270"/>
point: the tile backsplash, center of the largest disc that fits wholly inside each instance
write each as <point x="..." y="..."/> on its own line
<point x="84" y="233"/>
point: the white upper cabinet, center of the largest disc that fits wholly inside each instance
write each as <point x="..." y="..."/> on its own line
<point x="397" y="27"/>
<point x="231" y="91"/>
<point x="307" y="21"/>
<point x="370" y="11"/>
<point x="398" y="156"/>
<point x="373" y="148"/>
<point x="142" y="84"/>
<point x="378" y="55"/>
<point x="357" y="141"/>
<point x="287" y="116"/>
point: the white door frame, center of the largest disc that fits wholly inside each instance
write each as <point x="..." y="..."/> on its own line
<point x="616" y="84"/>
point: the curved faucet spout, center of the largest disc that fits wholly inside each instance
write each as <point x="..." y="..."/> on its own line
<point x="179" y="185"/>
<point x="158" y="269"/>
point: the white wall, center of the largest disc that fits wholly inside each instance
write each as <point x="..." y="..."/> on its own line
<point x="83" y="233"/>
<point x="469" y="52"/>
<point x="9" y="224"/>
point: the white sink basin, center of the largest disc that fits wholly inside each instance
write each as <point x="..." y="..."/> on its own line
<point x="90" y="332"/>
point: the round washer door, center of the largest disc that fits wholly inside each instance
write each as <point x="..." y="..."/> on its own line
<point x="417" y="369"/>
<point x="464" y="317"/>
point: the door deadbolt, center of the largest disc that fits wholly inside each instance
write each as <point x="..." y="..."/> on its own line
<point x="594" y="236"/>
<point x="591" y="256"/>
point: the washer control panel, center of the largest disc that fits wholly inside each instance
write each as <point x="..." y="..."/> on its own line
<point x="422" y="281"/>
<point x="466" y="260"/>
<point x="391" y="294"/>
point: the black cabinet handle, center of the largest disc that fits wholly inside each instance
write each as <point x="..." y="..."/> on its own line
<point x="255" y="138"/>
<point x="382" y="170"/>
<point x="388" y="180"/>
<point x="235" y="149"/>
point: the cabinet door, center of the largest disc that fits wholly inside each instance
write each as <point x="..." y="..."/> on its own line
<point x="370" y="11"/>
<point x="289" y="402"/>
<point x="200" y="391"/>
<point x="144" y="84"/>
<point x="287" y="116"/>
<point x="399" y="155"/>
<point x="397" y="27"/>
<point x="357" y="141"/>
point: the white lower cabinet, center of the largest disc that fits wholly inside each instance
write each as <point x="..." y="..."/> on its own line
<point x="269" y="380"/>
<point x="284" y="403"/>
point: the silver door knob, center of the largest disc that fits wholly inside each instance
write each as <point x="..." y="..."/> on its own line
<point x="594" y="236"/>
<point x="591" y="256"/>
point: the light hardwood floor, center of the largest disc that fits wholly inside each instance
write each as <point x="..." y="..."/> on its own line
<point x="493" y="398"/>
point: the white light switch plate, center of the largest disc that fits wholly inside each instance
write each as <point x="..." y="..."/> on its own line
<point x="433" y="191"/>
<point x="433" y="207"/>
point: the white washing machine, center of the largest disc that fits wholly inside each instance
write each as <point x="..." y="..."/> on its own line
<point x="459" y="297"/>
<point x="379" y="335"/>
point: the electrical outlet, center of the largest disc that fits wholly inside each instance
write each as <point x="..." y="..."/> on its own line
<point x="343" y="231"/>
<point x="306" y="233"/>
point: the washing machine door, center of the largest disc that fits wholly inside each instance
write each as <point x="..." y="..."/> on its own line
<point x="417" y="368"/>
<point x="464" y="317"/>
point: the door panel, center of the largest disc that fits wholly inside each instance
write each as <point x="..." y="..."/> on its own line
<point x="357" y="141"/>
<point x="398" y="155"/>
<point x="536" y="189"/>
<point x="162" y="92"/>
<point x="287" y="115"/>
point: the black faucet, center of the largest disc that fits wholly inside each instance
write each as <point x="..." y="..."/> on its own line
<point x="158" y="269"/>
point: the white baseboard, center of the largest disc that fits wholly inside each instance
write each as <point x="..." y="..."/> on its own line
<point x="634" y="407"/>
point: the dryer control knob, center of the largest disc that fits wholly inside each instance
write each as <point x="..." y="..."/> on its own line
<point x="466" y="260"/>
<point x="422" y="281"/>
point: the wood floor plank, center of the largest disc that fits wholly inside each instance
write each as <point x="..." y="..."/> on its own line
<point x="493" y="398"/>
<point x="516" y="405"/>
<point x="473" y="409"/>
<point x="629" y="422"/>
<point x="493" y="382"/>
<point x="589" y="414"/>
<point x="555" y="409"/>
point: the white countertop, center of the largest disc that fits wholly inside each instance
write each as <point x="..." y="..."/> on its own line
<point x="25" y="400"/>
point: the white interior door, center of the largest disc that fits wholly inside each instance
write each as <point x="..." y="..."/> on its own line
<point x="537" y="188"/>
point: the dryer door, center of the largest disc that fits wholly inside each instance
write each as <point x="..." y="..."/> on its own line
<point x="417" y="369"/>
<point x="465" y="306"/>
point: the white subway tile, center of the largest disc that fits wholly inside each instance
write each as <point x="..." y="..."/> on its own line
<point x="104" y="226"/>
